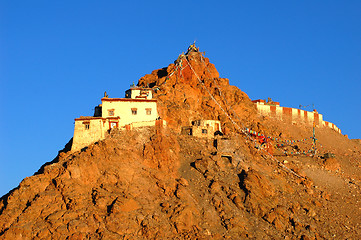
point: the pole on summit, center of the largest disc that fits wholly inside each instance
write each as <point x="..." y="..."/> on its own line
<point x="314" y="139"/>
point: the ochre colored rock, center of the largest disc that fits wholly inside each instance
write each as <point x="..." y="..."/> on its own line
<point x="186" y="95"/>
<point x="154" y="183"/>
<point x="331" y="164"/>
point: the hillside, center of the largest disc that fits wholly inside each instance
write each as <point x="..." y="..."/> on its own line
<point x="155" y="183"/>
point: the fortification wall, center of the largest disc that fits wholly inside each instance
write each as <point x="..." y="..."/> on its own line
<point x="293" y="115"/>
<point x="331" y="125"/>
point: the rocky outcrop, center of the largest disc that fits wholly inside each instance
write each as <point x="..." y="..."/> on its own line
<point x="191" y="89"/>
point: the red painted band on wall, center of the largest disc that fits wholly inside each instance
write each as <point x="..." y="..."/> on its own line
<point x="287" y="111"/>
<point x="316" y="118"/>
<point x="273" y="110"/>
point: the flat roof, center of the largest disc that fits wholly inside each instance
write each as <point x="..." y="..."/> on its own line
<point x="139" y="88"/>
<point x="127" y="100"/>
<point x="94" y="118"/>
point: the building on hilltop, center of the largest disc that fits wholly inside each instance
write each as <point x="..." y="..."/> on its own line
<point x="273" y="109"/>
<point x="137" y="109"/>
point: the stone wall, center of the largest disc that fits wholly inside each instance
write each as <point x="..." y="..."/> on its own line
<point x="87" y="131"/>
<point x="160" y="123"/>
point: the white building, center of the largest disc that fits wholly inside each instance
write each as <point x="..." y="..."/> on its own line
<point x="137" y="109"/>
<point x="203" y="128"/>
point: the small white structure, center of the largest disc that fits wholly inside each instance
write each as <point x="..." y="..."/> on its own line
<point x="139" y="93"/>
<point x="137" y="109"/>
<point x="203" y="128"/>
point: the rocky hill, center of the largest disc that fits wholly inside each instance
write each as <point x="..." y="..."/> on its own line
<point x="154" y="183"/>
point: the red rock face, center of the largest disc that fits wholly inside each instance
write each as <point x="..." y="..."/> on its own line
<point x="154" y="183"/>
<point x="191" y="89"/>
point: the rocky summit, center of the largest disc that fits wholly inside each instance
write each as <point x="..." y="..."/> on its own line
<point x="159" y="183"/>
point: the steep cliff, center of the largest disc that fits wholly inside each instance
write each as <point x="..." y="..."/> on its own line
<point x="154" y="183"/>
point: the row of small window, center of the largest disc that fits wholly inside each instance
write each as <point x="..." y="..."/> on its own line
<point x="148" y="111"/>
<point x="111" y="124"/>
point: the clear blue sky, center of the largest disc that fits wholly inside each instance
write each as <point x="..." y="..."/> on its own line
<point x="58" y="57"/>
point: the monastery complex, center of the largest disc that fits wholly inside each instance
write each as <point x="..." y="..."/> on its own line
<point x="139" y="109"/>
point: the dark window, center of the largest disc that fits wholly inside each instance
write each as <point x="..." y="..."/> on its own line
<point x="134" y="111"/>
<point x="148" y="111"/>
<point x="204" y="131"/>
<point x="111" y="112"/>
<point x="86" y="126"/>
